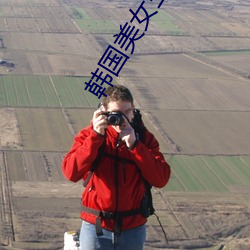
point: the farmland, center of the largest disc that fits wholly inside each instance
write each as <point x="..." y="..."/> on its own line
<point x="45" y="91"/>
<point x="190" y="77"/>
<point x="209" y="173"/>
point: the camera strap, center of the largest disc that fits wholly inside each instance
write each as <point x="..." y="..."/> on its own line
<point x="95" y="163"/>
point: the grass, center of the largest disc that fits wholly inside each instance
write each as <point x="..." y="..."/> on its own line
<point x="63" y="91"/>
<point x="208" y="173"/>
<point x="226" y="53"/>
<point x="221" y="171"/>
<point x="3" y="97"/>
<point x="87" y="23"/>
<point x="238" y="168"/>
<point x="49" y="91"/>
<point x="76" y="87"/>
<point x="187" y="180"/>
<point x="45" y="91"/>
<point x="165" y="22"/>
<point x="204" y="174"/>
<point x="10" y="91"/>
<point x="36" y="94"/>
<point x="21" y="91"/>
<point x="169" y="27"/>
<point x="79" y="13"/>
<point x="97" y="25"/>
<point x="161" y="15"/>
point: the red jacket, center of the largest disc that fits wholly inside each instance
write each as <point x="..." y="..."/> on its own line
<point x="101" y="192"/>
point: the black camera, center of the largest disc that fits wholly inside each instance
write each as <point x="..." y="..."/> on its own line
<point x="114" y="118"/>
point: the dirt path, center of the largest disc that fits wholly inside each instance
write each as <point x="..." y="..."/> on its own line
<point x="9" y="132"/>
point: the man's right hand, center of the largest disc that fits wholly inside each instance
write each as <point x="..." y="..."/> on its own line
<point x="100" y="122"/>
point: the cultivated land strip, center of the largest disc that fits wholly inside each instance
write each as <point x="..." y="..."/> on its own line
<point x="7" y="227"/>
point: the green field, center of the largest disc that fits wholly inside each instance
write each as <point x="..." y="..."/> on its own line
<point x="45" y="91"/>
<point x="87" y="23"/>
<point x="208" y="173"/>
<point x="162" y="20"/>
<point x="165" y="22"/>
<point x="79" y="13"/>
<point x="97" y="26"/>
<point x="226" y="53"/>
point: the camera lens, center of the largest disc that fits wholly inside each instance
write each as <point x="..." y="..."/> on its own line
<point x="114" y="120"/>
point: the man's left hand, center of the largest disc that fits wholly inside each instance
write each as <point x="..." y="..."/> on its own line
<point x="127" y="133"/>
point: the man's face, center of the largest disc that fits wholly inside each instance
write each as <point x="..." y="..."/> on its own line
<point x="124" y="107"/>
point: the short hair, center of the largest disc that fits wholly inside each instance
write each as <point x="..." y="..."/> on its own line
<point x="117" y="93"/>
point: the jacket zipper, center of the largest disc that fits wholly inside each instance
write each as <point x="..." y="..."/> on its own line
<point x="116" y="166"/>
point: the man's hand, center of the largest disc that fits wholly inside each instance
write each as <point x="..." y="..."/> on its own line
<point x="99" y="122"/>
<point x="127" y="133"/>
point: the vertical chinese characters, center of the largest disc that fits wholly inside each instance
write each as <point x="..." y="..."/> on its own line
<point x="113" y="60"/>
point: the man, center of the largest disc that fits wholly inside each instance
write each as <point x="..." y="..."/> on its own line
<point x="113" y="197"/>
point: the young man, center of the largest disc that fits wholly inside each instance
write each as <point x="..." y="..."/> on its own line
<point x="112" y="199"/>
